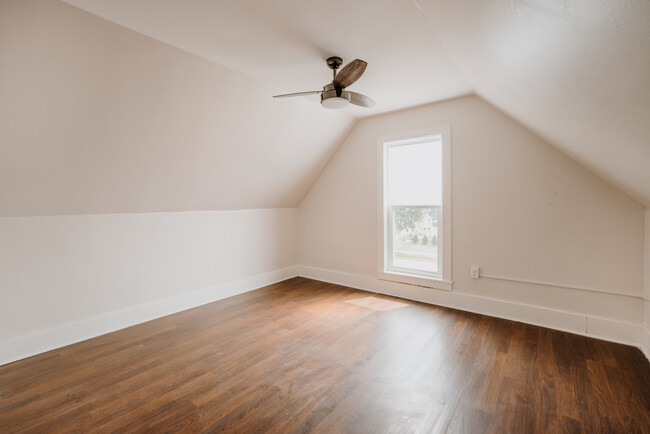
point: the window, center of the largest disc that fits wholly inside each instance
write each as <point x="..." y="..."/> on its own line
<point x="414" y="208"/>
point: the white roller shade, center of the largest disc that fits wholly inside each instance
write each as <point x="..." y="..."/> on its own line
<point x="415" y="173"/>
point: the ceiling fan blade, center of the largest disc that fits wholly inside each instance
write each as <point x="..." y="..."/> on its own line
<point x="312" y="92"/>
<point x="361" y="100"/>
<point x="350" y="73"/>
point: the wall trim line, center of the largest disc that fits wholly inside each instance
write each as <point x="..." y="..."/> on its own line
<point x="559" y="285"/>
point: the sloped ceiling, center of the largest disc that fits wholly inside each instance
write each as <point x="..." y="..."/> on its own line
<point x="575" y="72"/>
<point x="285" y="43"/>
<point x="96" y="118"/>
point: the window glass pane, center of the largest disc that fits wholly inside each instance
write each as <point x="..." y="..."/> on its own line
<point x="415" y="238"/>
<point x="415" y="174"/>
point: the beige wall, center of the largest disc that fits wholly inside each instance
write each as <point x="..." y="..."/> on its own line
<point x="96" y="118"/>
<point x="647" y="254"/>
<point x="520" y="209"/>
<point x="646" y="302"/>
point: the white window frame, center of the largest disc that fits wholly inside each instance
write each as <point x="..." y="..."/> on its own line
<point x="441" y="280"/>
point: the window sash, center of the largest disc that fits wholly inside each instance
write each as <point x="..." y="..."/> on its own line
<point x="390" y="252"/>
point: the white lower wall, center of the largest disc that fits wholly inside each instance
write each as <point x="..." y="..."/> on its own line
<point x="68" y="278"/>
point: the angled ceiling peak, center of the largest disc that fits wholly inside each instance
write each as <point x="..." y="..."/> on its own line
<point x="577" y="73"/>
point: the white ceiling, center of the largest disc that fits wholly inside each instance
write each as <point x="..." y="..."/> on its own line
<point x="285" y="43"/>
<point x="576" y="72"/>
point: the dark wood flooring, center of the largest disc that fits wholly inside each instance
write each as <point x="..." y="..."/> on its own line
<point x="303" y="356"/>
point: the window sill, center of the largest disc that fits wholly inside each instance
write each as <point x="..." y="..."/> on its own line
<point x="427" y="282"/>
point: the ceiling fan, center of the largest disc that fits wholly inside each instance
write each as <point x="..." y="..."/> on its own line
<point x="334" y="95"/>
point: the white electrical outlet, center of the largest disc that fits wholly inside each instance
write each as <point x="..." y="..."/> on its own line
<point x="474" y="272"/>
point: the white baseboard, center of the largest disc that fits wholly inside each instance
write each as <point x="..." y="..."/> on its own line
<point x="57" y="337"/>
<point x="645" y="347"/>
<point x="601" y="328"/>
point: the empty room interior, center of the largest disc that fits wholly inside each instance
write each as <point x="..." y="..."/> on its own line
<point x="362" y="216"/>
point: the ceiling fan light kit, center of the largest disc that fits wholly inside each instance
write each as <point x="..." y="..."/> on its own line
<point x="334" y="102"/>
<point x="333" y="98"/>
<point x="334" y="95"/>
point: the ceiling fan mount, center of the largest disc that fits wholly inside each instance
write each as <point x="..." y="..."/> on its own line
<point x="334" y="62"/>
<point x="334" y="94"/>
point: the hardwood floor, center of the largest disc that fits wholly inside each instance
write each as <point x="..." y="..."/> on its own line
<point x="303" y="356"/>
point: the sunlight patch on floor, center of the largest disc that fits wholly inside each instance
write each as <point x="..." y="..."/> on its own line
<point x="376" y="303"/>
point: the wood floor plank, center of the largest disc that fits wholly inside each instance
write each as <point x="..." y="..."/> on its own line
<point x="306" y="356"/>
